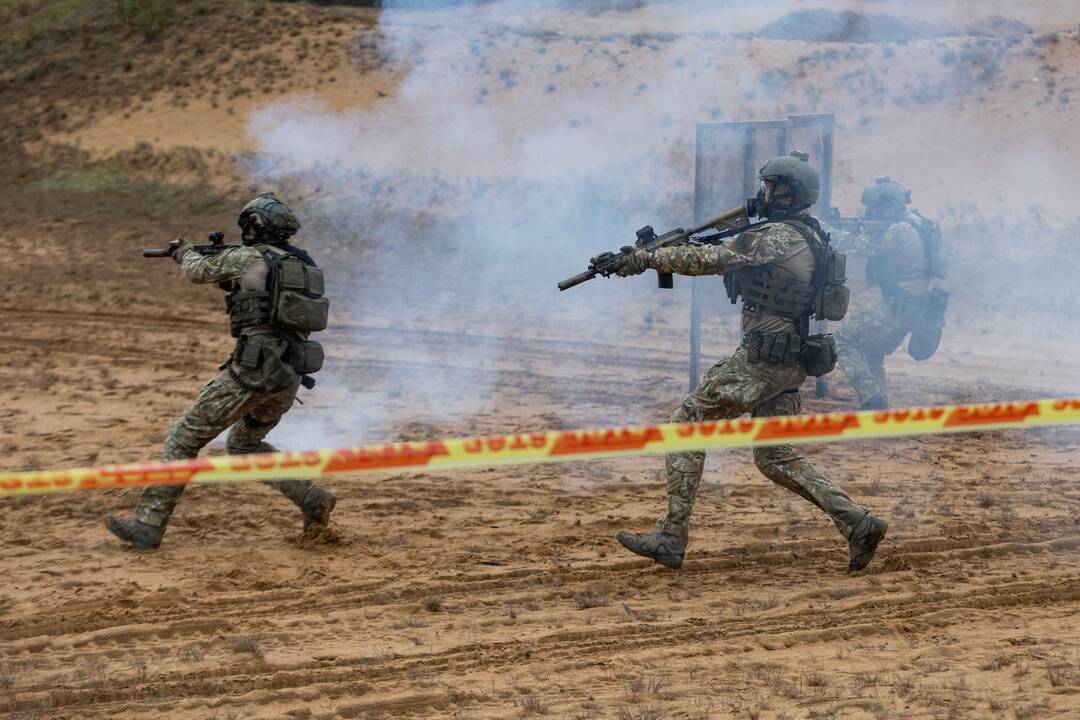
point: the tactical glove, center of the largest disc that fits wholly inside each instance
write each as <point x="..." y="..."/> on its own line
<point x="181" y="245"/>
<point x="635" y="262"/>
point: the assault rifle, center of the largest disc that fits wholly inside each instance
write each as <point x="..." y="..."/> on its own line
<point x="833" y="218"/>
<point x="217" y="244"/>
<point x="728" y="224"/>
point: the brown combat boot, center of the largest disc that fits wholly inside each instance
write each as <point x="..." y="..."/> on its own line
<point x="317" y="506"/>
<point x="864" y="541"/>
<point x="663" y="548"/>
<point x="138" y="534"/>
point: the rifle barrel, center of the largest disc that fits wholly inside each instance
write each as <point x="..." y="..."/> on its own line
<point x="577" y="279"/>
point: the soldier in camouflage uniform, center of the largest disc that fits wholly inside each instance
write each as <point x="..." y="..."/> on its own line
<point x="904" y="254"/>
<point x="775" y="260"/>
<point x="267" y="279"/>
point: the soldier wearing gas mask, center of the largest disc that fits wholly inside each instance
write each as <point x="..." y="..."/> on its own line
<point x="784" y="272"/>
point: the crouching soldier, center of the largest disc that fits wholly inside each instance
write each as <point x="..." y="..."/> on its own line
<point x="906" y="259"/>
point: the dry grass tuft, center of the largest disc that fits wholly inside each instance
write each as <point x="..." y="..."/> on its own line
<point x="587" y="600"/>
<point x="645" y="712"/>
<point x="251" y="644"/>
<point x="533" y="705"/>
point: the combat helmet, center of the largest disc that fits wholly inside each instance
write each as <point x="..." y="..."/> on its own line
<point x="796" y="172"/>
<point x="886" y="199"/>
<point x="267" y="218"/>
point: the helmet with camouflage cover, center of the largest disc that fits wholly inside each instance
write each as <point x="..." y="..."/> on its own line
<point x="796" y="173"/>
<point x="267" y="219"/>
<point x="886" y="199"/>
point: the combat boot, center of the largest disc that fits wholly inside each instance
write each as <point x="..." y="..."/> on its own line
<point x="663" y="548"/>
<point x="864" y="541"/>
<point x="875" y="403"/>
<point x="317" y="506"/>
<point x="140" y="535"/>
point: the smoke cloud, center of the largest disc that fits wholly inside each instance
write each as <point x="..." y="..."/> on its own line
<point x="511" y="140"/>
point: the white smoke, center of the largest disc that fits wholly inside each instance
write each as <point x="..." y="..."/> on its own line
<point x="515" y="139"/>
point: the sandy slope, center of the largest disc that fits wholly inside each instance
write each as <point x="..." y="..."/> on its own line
<point x="502" y="593"/>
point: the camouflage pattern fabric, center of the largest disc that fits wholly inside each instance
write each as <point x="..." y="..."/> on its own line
<point x="729" y="389"/>
<point x="898" y="249"/>
<point x="224" y="403"/>
<point x="776" y="244"/>
<point x="248" y="402"/>
<point x="869" y="336"/>
<point x="759" y="246"/>
<point x="228" y="264"/>
<point x="863" y="343"/>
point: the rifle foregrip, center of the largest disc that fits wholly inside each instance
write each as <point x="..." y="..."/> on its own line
<point x="577" y="279"/>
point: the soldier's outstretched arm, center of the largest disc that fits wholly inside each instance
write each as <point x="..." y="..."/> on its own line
<point x="226" y="265"/>
<point x="753" y="247"/>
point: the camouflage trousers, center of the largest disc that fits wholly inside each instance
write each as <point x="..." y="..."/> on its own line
<point x="224" y="403"/>
<point x="729" y="389"/>
<point x="863" y="343"/>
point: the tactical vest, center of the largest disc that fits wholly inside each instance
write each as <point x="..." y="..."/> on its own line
<point x="293" y="301"/>
<point x="880" y="272"/>
<point x="824" y="297"/>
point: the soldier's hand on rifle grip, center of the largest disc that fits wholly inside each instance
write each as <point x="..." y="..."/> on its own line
<point x="179" y="245"/>
<point x="634" y="262"/>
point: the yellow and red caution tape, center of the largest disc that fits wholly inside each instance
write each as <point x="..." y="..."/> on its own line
<point x="553" y="446"/>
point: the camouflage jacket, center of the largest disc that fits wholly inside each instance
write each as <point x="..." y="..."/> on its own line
<point x="779" y="246"/>
<point x="230" y="264"/>
<point x="896" y="257"/>
<point x="240" y="265"/>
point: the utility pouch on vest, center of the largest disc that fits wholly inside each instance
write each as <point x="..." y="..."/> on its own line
<point x="301" y="306"/>
<point x="248" y="355"/>
<point x="775" y="348"/>
<point x="305" y="356"/>
<point x="818" y="355"/>
<point x="261" y="366"/>
<point x="833" y="295"/>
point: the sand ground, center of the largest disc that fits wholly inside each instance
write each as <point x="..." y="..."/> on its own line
<point x="501" y="593"/>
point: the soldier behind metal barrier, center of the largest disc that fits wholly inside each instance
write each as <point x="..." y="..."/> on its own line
<point x="905" y="258"/>
<point x="784" y="272"/>
<point x="275" y="299"/>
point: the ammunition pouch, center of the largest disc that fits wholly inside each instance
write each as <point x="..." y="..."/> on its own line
<point x="830" y="294"/>
<point x="300" y="304"/>
<point x="248" y="308"/>
<point x="818" y="355"/>
<point x="258" y="364"/>
<point x="833" y="295"/>
<point x="775" y="348"/>
<point x="305" y="356"/>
